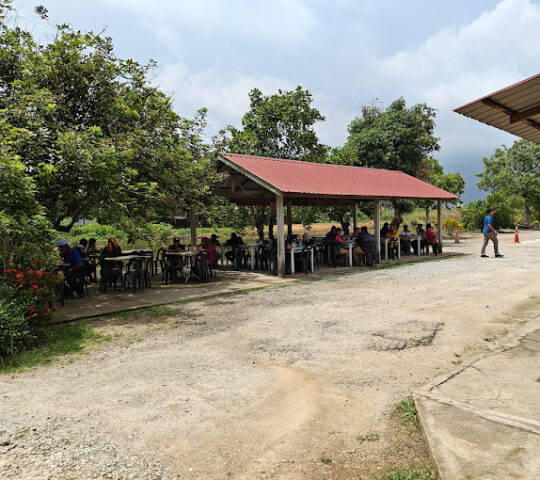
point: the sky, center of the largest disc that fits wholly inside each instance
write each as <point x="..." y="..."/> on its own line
<point x="347" y="53"/>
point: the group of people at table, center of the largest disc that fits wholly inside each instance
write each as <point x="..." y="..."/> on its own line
<point x="362" y="242"/>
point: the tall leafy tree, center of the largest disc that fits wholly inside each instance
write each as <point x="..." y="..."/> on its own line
<point x="395" y="138"/>
<point x="97" y="139"/>
<point x="280" y="125"/>
<point x="514" y="171"/>
<point x="433" y="172"/>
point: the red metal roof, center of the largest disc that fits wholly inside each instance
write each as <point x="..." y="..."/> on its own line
<point x="514" y="109"/>
<point x="309" y="178"/>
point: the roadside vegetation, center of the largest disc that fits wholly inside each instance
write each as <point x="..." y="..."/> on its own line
<point x="51" y="343"/>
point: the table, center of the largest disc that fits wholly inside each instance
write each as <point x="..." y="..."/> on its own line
<point x="252" y="248"/>
<point x="144" y="250"/>
<point x="297" y="250"/>
<point x="122" y="258"/>
<point x="386" y="242"/>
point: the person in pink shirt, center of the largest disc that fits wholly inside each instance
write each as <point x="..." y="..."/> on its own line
<point x="341" y="242"/>
<point x="206" y="246"/>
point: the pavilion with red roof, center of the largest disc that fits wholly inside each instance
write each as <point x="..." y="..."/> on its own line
<point x="254" y="180"/>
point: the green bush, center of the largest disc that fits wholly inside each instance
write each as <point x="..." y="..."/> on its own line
<point x="15" y="328"/>
<point x="506" y="212"/>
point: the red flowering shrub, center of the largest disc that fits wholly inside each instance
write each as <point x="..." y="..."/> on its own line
<point x="36" y="287"/>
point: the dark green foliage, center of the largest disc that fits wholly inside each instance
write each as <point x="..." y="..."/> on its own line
<point x="515" y="171"/>
<point x="15" y="329"/>
<point x="97" y="140"/>
<point x="506" y="211"/>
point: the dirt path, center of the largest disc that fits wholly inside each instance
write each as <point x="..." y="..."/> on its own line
<point x="266" y="385"/>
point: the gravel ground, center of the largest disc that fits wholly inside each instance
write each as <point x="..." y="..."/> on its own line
<point x="264" y="385"/>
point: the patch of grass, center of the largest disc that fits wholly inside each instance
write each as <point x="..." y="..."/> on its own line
<point x="406" y="411"/>
<point x="368" y="437"/>
<point x="408" y="473"/>
<point x="53" y="342"/>
<point x="326" y="460"/>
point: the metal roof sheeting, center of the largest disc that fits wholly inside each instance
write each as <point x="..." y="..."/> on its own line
<point x="318" y="179"/>
<point x="496" y="109"/>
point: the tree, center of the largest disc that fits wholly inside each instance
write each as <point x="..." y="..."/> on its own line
<point x="280" y="125"/>
<point x="433" y="172"/>
<point x="96" y="138"/>
<point x="395" y="138"/>
<point x="514" y="171"/>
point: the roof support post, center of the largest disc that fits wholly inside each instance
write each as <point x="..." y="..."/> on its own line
<point x="193" y="227"/>
<point x="439" y="225"/>
<point x="280" y="236"/>
<point x="377" y="227"/>
<point x="289" y="220"/>
<point x="355" y="217"/>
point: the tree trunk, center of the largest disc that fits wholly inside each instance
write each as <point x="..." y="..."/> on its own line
<point x="65" y="228"/>
<point x="271" y="227"/>
<point x="526" y="213"/>
<point x="398" y="216"/>
<point x="427" y="214"/>
<point x="260" y="222"/>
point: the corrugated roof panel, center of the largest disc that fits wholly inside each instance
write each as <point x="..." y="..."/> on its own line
<point x="309" y="178"/>
<point x="515" y="98"/>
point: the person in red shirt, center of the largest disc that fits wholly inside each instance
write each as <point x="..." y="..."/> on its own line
<point x="431" y="239"/>
<point x="206" y="246"/>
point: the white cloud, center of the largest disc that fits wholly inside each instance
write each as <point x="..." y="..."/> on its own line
<point x="225" y="94"/>
<point x="281" y="23"/>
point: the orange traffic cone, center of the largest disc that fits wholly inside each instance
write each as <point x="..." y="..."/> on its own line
<point x="516" y="237"/>
<point x="456" y="240"/>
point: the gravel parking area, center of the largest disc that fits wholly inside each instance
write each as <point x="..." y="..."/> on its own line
<point x="266" y="384"/>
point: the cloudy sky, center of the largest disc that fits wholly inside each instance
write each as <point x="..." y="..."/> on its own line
<point x="348" y="53"/>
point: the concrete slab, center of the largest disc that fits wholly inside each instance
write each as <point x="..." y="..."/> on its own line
<point x="482" y="421"/>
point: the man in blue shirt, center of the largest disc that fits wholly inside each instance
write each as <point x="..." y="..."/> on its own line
<point x="74" y="276"/>
<point x="490" y="234"/>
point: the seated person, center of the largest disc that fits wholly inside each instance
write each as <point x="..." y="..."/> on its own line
<point x="406" y="238"/>
<point x="206" y="246"/>
<point x="91" y="246"/>
<point x="394" y="234"/>
<point x="357" y="250"/>
<point x="176" y="246"/>
<point x="330" y="237"/>
<point x="215" y="242"/>
<point x="112" y="249"/>
<point x="431" y="239"/>
<point x="368" y="244"/>
<point x="233" y="242"/>
<point x="384" y="230"/>
<point x="82" y="246"/>
<point x="306" y="239"/>
<point x="341" y="242"/>
<point x="72" y="275"/>
<point x="419" y="234"/>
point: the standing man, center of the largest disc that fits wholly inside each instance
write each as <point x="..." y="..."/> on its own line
<point x="490" y="234"/>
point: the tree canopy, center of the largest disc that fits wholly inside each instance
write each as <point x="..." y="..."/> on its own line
<point x="514" y="171"/>
<point x="96" y="138"/>
<point x="395" y="138"/>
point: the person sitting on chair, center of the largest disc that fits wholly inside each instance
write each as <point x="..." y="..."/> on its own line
<point x="341" y="242"/>
<point x="215" y="242"/>
<point x="112" y="248"/>
<point x="176" y="246"/>
<point x="367" y="243"/>
<point x="82" y="246"/>
<point x="91" y="246"/>
<point x="431" y="239"/>
<point x="233" y="242"/>
<point x="206" y="246"/>
<point x="73" y="257"/>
